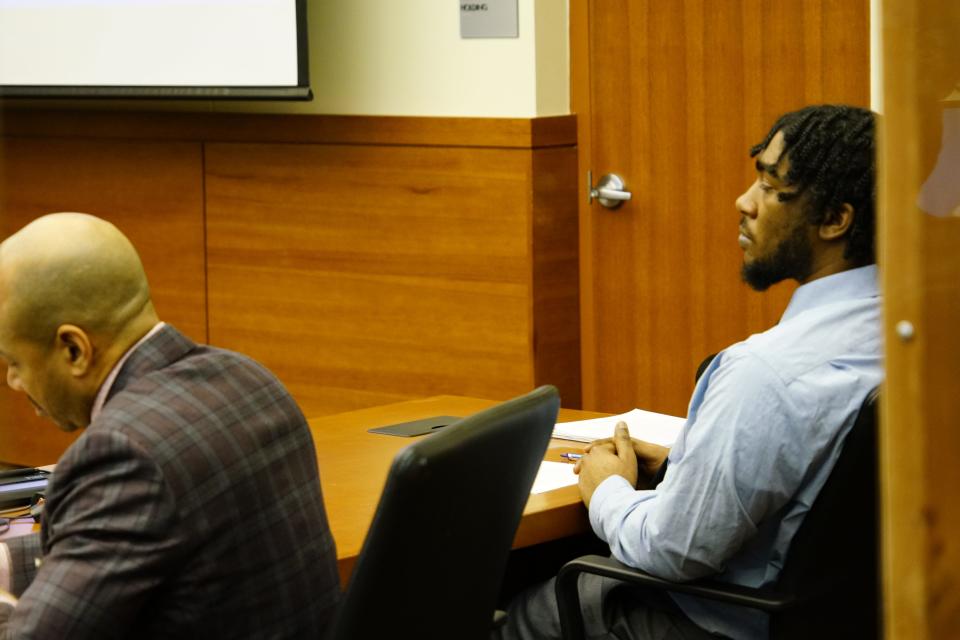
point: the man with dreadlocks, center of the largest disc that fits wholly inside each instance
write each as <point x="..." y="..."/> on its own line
<point x="768" y="415"/>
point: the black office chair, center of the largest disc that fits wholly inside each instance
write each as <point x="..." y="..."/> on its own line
<point x="433" y="560"/>
<point x="829" y="585"/>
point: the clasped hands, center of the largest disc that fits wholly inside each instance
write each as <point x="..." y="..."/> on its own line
<point x="621" y="455"/>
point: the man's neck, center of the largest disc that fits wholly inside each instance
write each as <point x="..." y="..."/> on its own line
<point x="103" y="390"/>
<point x="115" y="348"/>
<point x="829" y="263"/>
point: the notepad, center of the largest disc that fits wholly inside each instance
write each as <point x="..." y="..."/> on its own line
<point x="553" y="475"/>
<point x="657" y="428"/>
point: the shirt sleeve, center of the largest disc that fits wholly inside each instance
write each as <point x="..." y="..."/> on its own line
<point x="733" y="464"/>
<point x="111" y="536"/>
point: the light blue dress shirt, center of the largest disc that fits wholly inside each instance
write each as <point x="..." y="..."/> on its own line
<point x="765" y="426"/>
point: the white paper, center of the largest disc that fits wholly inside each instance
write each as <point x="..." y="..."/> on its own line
<point x="657" y="428"/>
<point x="553" y="475"/>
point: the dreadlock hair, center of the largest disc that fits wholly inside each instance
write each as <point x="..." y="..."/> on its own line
<point x="832" y="159"/>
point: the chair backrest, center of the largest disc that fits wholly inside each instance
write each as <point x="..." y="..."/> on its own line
<point x="836" y="545"/>
<point x="434" y="557"/>
<point x="703" y="366"/>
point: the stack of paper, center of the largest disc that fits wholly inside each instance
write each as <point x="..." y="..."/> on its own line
<point x="644" y="425"/>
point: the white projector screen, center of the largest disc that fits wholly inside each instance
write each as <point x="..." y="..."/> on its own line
<point x="154" y="48"/>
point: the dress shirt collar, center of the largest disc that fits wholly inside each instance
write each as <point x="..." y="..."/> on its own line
<point x="846" y="285"/>
<point x="104" y="391"/>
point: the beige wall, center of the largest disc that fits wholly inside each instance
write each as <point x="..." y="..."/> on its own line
<point x="407" y="58"/>
<point x="876" y="56"/>
<point x="372" y="57"/>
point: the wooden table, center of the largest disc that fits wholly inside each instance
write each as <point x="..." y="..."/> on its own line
<point x="354" y="465"/>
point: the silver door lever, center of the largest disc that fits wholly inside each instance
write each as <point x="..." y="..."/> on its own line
<point x="609" y="192"/>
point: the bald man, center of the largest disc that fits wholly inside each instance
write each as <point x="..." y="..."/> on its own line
<point x="191" y="505"/>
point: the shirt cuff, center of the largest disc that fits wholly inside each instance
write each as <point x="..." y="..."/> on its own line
<point x="602" y="498"/>
<point x="5" y="567"/>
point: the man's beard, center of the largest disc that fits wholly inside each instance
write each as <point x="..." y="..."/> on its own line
<point x="793" y="258"/>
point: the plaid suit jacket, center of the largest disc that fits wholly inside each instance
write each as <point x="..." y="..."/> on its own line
<point x="191" y="508"/>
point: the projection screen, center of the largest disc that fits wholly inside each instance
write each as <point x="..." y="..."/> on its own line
<point x="154" y="48"/>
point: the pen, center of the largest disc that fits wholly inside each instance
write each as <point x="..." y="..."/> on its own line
<point x="571" y="456"/>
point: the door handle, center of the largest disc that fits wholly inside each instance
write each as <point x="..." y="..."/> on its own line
<point x="609" y="192"/>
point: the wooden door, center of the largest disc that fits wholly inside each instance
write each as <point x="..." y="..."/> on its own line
<point x="920" y="266"/>
<point x="670" y="96"/>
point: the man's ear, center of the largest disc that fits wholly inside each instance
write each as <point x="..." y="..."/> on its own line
<point x="837" y="223"/>
<point x="74" y="349"/>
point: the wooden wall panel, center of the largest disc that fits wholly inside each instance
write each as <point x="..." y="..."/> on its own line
<point x="556" y="291"/>
<point x="365" y="260"/>
<point x="368" y="274"/>
<point x="919" y="237"/>
<point x="153" y="192"/>
<point x="517" y="133"/>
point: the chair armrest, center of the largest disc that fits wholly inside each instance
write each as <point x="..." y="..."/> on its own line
<point x="568" y="597"/>
<point x="499" y="618"/>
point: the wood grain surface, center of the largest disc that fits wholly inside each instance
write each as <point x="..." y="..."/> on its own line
<point x="364" y="259"/>
<point x="366" y="274"/>
<point x="520" y="133"/>
<point x="153" y="191"/>
<point x="920" y="269"/>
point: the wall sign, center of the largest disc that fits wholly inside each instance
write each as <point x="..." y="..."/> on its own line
<point x="488" y="19"/>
